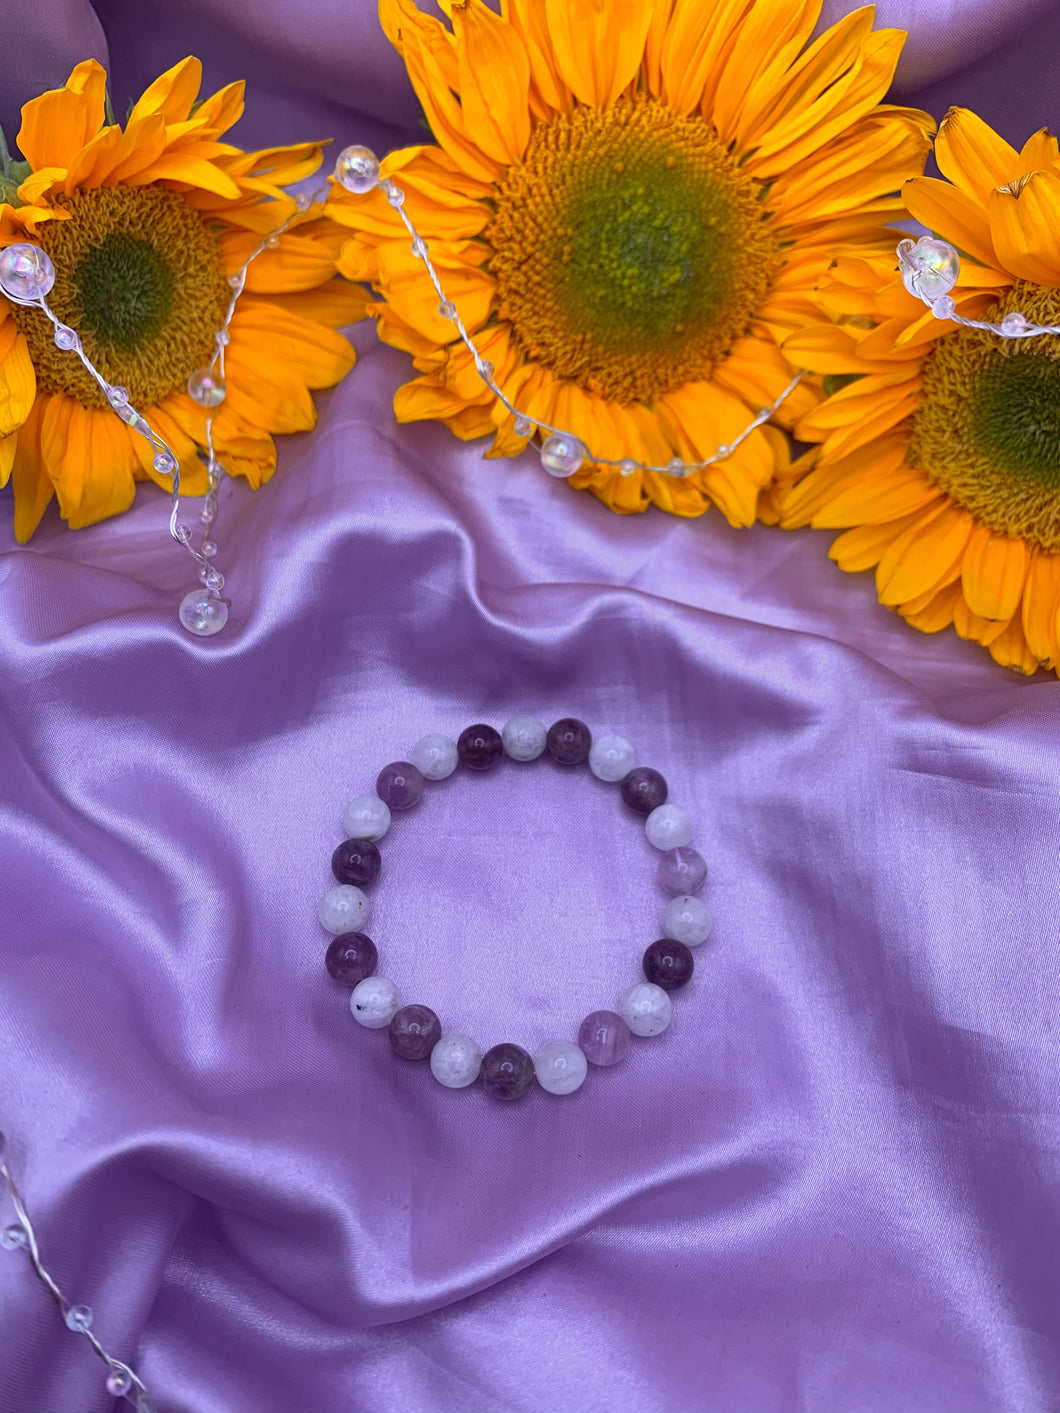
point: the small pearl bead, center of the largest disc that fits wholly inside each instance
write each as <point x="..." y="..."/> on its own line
<point x="357" y="169"/>
<point x="929" y="266"/>
<point x="374" y="1002"/>
<point x="646" y="1009"/>
<point x="65" y="338"/>
<point x="118" y="1382"/>
<point x="611" y="758"/>
<point x="668" y="827"/>
<point x="78" y="1318"/>
<point x="1012" y="324"/>
<point x="165" y="463"/>
<point x="522" y="426"/>
<point x="435" y="757"/>
<point x="13" y="1237"/>
<point x="525" y="738"/>
<point x="207" y="388"/>
<point x="203" y="613"/>
<point x="560" y="1067"/>
<point x="343" y="908"/>
<point x="366" y="817"/>
<point x="687" y="920"/>
<point x="562" y="455"/>
<point x="456" y="1061"/>
<point x="26" y="272"/>
<point x="447" y="309"/>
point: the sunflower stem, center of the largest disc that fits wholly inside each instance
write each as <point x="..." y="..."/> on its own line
<point x="108" y="108"/>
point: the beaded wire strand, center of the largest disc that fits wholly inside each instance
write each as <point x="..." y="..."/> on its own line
<point x="122" y="1380"/>
<point x="930" y="269"/>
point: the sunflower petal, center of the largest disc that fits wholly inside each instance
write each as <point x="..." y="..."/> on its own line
<point x="29" y="479"/>
<point x="18" y="380"/>
<point x="7" y="457"/>
<point x="173" y="93"/>
<point x="951" y="214"/>
<point x="924" y="555"/>
<point x="994" y="572"/>
<point x="494" y="80"/>
<point x="1041" y="604"/>
<point x="972" y="156"/>
<point x="1010" y="649"/>
<point x="59" y="123"/>
<point x="933" y="611"/>
<point x="599" y="45"/>
<point x="1024" y="218"/>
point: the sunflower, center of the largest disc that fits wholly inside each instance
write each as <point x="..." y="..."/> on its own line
<point x="940" y="446"/>
<point x="144" y="225"/>
<point x="630" y="204"/>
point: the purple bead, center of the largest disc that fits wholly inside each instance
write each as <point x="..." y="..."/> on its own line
<point x="604" y="1036"/>
<point x="351" y="958"/>
<point x="479" y="747"/>
<point x="669" y="964"/>
<point x="644" y="789"/>
<point x="414" y="1032"/>
<point x="507" y="1071"/>
<point x="400" y="785"/>
<point x="569" y="741"/>
<point x="682" y="871"/>
<point x="356" y="861"/>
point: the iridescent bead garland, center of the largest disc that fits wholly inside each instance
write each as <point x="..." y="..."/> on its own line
<point x="561" y="452"/>
<point x="415" y="1031"/>
<point x="122" y="1381"/>
<point x="931" y="267"/>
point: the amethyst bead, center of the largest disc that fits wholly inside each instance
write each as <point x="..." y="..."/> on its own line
<point x="669" y="964"/>
<point x="569" y="741"/>
<point x="682" y="871"/>
<point x="351" y="958"/>
<point x="414" y="1032"/>
<point x="356" y="861"/>
<point x="507" y="1071"/>
<point x="644" y="789"/>
<point x="400" y="785"/>
<point x="604" y="1036"/>
<point x="479" y="748"/>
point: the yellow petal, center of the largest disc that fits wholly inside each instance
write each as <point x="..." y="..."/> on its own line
<point x="924" y="555"/>
<point x="933" y="611"/>
<point x="1010" y="650"/>
<point x="865" y="545"/>
<point x="29" y="480"/>
<point x="59" y="123"/>
<point x="494" y="80"/>
<point x="190" y="171"/>
<point x="698" y="41"/>
<point x="18" y="381"/>
<point x="548" y="93"/>
<point x="598" y="45"/>
<point x="952" y="215"/>
<point x="223" y="109"/>
<point x="994" y="572"/>
<point x="7" y="457"/>
<point x="766" y="45"/>
<point x="1041" y="604"/>
<point x="973" y="157"/>
<point x="1023" y="222"/>
<point x="173" y="93"/>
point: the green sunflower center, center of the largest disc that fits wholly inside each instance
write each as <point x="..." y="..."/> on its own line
<point x="138" y="275"/>
<point x="629" y="249"/>
<point x="988" y="426"/>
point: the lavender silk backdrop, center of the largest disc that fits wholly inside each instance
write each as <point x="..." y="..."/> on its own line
<point x="831" y="1187"/>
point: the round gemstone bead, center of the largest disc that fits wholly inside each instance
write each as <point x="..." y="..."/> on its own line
<point x="569" y="741"/>
<point x="118" y="1382"/>
<point x="13" y="1237"/>
<point x="522" y="426"/>
<point x="644" y="789"/>
<point x="366" y="817"/>
<point x="414" y="1032"/>
<point x="356" y="861"/>
<point x="207" y="388"/>
<point x="560" y="1067"/>
<point x="687" y="920"/>
<point x="604" y="1036"/>
<point x="507" y="1071"/>
<point x="561" y="454"/>
<point x="357" y="169"/>
<point x="479" y="747"/>
<point x="525" y="738"/>
<point x="203" y="613"/>
<point x="929" y="266"/>
<point x="400" y="785"/>
<point x="682" y="870"/>
<point x="668" y="827"/>
<point x="435" y="757"/>
<point x="646" y="1009"/>
<point x="447" y="309"/>
<point x="165" y="463"/>
<point x="26" y="272"/>
<point x="611" y="758"/>
<point x="65" y="337"/>
<point x="456" y="1061"/>
<point x="351" y="957"/>
<point x="944" y="307"/>
<point x="343" y="909"/>
<point x="373" y="1002"/>
<point x="1013" y="324"/>
<point x="668" y="964"/>
<point x="627" y="466"/>
<point x="78" y="1318"/>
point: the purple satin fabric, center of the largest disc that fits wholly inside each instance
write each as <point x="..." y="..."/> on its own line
<point x="830" y="1186"/>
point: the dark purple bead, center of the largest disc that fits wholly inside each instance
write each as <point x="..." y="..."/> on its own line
<point x="644" y="789"/>
<point x="356" y="861"/>
<point x="604" y="1036"/>
<point x="569" y="741"/>
<point x="669" y="964"/>
<point x="414" y="1032"/>
<point x="507" y="1071"/>
<point x="479" y="747"/>
<point x="351" y="958"/>
<point x="400" y="785"/>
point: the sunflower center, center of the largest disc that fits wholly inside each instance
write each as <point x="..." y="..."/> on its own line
<point x="138" y="275"/>
<point x="629" y="249"/>
<point x="988" y="426"/>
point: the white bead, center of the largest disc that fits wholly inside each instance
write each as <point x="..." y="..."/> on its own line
<point x="207" y="388"/>
<point x="687" y="920"/>
<point x="929" y="267"/>
<point x="611" y="758"/>
<point x="668" y="827"/>
<point x="26" y="272"/>
<point x="435" y="757"/>
<point x="357" y="169"/>
<point x="561" y="1067"/>
<point x="78" y="1318"/>
<point x="524" y="738"/>
<point x="373" y="1002"/>
<point x="646" y="1009"/>
<point x="366" y="817"/>
<point x="1013" y="324"/>
<point x="456" y="1061"/>
<point x="562" y="454"/>
<point x="343" y="908"/>
<point x="203" y="613"/>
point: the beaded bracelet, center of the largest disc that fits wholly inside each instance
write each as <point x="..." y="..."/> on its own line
<point x="415" y="1031"/>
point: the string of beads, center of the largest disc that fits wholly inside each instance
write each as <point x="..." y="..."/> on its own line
<point x="930" y="269"/>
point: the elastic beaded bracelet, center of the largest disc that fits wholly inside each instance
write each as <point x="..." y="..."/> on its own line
<point x="415" y="1031"/>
